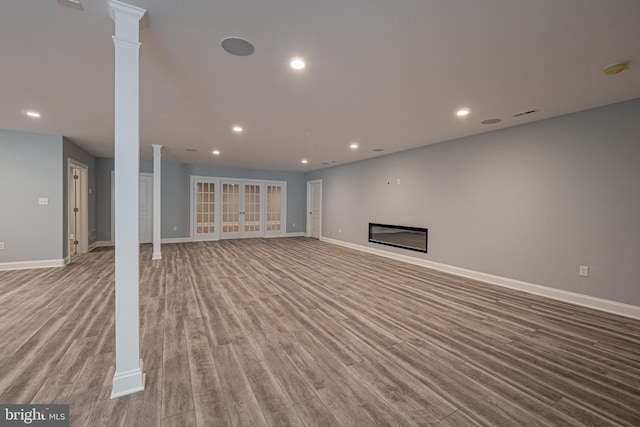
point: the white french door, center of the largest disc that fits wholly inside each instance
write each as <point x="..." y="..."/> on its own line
<point x="233" y="208"/>
<point x="205" y="210"/>
<point x="230" y="210"/>
<point x="241" y="210"/>
<point x="274" y="209"/>
<point x="251" y="217"/>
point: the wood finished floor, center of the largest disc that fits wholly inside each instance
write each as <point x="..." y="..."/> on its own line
<point x="299" y="332"/>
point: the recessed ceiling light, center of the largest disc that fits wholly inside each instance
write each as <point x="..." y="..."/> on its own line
<point x="216" y="152"/>
<point x="237" y="46"/>
<point x="33" y="114"/>
<point x="304" y="161"/>
<point x="237" y="129"/>
<point x="463" y="112"/>
<point x="491" y="121"/>
<point x="297" y="63"/>
<point x="353" y="145"/>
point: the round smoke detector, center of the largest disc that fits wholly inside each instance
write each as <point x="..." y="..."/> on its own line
<point x="237" y="46"/>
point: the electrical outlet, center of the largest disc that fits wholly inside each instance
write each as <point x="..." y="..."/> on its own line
<point x="1" y="246"/>
<point x="584" y="270"/>
<point x="294" y="225"/>
<point x="175" y="228"/>
<point x="339" y="230"/>
<point x="43" y="201"/>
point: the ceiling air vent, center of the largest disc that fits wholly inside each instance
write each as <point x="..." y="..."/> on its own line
<point x="524" y="113"/>
<point x="73" y="4"/>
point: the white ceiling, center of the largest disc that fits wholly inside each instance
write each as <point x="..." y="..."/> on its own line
<point x="385" y="73"/>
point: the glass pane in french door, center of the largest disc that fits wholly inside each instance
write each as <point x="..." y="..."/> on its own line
<point x="205" y="209"/>
<point x="251" y="207"/>
<point x="230" y="208"/>
<point x="274" y="207"/>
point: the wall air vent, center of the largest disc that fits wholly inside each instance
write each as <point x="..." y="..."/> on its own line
<point x="524" y="113"/>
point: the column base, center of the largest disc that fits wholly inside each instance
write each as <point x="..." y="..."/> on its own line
<point x="128" y="382"/>
<point x="156" y="255"/>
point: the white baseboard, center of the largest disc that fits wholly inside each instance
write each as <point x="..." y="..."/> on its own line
<point x="601" y="304"/>
<point x="128" y="382"/>
<point x="103" y="243"/>
<point x="25" y="265"/>
<point x="92" y="246"/>
<point x="176" y="240"/>
<point x="295" y="234"/>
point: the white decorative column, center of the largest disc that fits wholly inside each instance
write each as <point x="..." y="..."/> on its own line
<point x="128" y="377"/>
<point x="157" y="182"/>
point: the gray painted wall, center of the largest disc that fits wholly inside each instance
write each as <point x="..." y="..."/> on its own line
<point x="30" y="169"/>
<point x="176" y="194"/>
<point x="531" y="202"/>
<point x="70" y="150"/>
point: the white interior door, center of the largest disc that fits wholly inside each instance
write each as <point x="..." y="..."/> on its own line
<point x="77" y="207"/>
<point x="314" y="201"/>
<point x="145" y="209"/>
<point x="74" y="209"/>
<point x="145" y="216"/>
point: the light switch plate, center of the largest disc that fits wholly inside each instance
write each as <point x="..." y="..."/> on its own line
<point x="1" y="246"/>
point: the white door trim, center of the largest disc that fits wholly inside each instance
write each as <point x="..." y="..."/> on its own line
<point x="309" y="203"/>
<point x="83" y="238"/>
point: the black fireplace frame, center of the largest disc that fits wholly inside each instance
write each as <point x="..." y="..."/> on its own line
<point x="398" y="245"/>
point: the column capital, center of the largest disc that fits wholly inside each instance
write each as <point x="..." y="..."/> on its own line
<point x="118" y="7"/>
